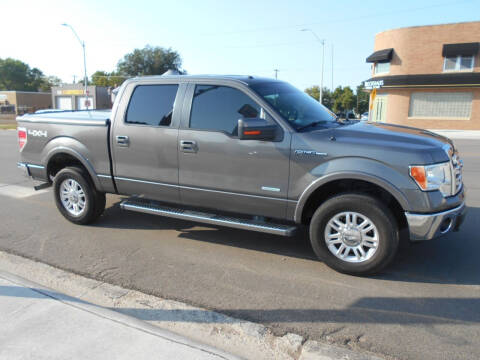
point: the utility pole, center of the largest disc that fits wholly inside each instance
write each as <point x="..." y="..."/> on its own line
<point x="85" y="81"/>
<point x="276" y="73"/>
<point x="332" y="69"/>
<point x="321" y="41"/>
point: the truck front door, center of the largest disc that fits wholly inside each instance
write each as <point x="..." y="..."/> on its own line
<point x="144" y="141"/>
<point x="218" y="170"/>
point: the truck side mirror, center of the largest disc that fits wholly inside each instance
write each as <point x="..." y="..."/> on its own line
<point x="256" y="129"/>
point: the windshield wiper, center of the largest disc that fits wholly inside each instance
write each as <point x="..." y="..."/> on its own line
<point x="312" y="124"/>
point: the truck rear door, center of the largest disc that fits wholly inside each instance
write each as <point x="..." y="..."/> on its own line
<point x="144" y="140"/>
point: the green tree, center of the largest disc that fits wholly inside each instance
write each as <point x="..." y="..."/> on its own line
<point x="362" y="98"/>
<point x="103" y="78"/>
<point x="48" y="82"/>
<point x="16" y="75"/>
<point x="347" y="99"/>
<point x="314" y="91"/>
<point x="149" y="61"/>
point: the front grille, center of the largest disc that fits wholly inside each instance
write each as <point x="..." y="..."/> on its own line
<point x="457" y="166"/>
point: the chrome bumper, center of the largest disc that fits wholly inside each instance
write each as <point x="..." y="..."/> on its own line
<point x="35" y="171"/>
<point x="429" y="226"/>
<point x="24" y="168"/>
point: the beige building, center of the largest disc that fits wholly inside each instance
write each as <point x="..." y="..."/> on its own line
<point x="427" y="76"/>
<point x="21" y="102"/>
<point x="72" y="97"/>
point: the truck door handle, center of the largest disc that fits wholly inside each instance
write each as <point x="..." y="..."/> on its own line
<point x="123" y="140"/>
<point x="188" y="146"/>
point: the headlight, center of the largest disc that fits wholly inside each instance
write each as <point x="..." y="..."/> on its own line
<point x="433" y="177"/>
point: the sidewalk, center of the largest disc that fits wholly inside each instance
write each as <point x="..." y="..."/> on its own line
<point x="459" y="134"/>
<point x="38" y="323"/>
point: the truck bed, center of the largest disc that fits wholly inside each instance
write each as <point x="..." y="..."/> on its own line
<point x="87" y="117"/>
<point x="82" y="134"/>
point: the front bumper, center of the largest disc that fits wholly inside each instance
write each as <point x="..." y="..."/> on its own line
<point x="429" y="226"/>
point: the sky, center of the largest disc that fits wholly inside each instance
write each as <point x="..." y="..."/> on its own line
<point x="251" y="37"/>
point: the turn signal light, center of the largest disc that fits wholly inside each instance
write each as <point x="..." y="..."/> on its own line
<point x="418" y="173"/>
<point x="252" y="132"/>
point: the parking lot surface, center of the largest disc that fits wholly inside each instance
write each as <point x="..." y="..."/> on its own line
<point x="425" y="306"/>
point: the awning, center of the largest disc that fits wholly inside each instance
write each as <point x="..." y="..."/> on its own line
<point x="384" y="55"/>
<point x="466" y="79"/>
<point x="464" y="49"/>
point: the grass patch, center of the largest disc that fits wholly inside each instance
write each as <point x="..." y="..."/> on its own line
<point x="8" y="126"/>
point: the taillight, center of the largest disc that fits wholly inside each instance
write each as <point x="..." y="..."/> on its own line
<point x="22" y="137"/>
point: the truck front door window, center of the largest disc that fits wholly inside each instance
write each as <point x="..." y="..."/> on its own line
<point x="218" y="108"/>
<point x="152" y="105"/>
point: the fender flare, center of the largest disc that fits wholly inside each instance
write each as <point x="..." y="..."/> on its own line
<point x="344" y="175"/>
<point x="84" y="161"/>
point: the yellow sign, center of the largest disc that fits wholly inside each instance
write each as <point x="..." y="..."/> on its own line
<point x="73" y="92"/>
<point x="372" y="98"/>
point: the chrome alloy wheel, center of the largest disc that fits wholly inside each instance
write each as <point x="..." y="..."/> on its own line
<point x="351" y="237"/>
<point x="73" y="197"/>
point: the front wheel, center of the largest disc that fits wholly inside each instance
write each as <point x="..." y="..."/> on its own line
<point x="354" y="234"/>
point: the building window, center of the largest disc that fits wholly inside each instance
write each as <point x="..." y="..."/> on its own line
<point x="382" y="67"/>
<point x="458" y="63"/>
<point x="448" y="105"/>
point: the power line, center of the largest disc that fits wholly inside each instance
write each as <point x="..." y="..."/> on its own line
<point x="356" y="18"/>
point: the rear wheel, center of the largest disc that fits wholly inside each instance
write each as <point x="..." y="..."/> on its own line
<point x="354" y="234"/>
<point x="76" y="197"/>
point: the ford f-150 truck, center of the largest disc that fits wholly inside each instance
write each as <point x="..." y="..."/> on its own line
<point x="250" y="153"/>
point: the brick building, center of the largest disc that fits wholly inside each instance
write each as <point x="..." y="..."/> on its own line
<point x="427" y="76"/>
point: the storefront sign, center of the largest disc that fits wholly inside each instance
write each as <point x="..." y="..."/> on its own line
<point x="71" y="92"/>
<point x="374" y="84"/>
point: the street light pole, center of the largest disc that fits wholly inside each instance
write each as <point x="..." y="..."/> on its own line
<point x="321" y="41"/>
<point x="85" y="81"/>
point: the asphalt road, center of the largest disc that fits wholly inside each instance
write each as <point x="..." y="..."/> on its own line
<point x="425" y="306"/>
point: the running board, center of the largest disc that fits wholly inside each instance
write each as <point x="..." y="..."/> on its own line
<point x="151" y="207"/>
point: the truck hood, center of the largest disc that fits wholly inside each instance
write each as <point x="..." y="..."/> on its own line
<point x="390" y="137"/>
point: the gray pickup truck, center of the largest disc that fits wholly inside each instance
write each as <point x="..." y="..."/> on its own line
<point x="250" y="153"/>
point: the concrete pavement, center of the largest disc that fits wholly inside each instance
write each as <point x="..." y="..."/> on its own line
<point x="39" y="323"/>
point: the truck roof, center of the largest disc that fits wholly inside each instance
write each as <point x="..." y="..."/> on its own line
<point x="246" y="79"/>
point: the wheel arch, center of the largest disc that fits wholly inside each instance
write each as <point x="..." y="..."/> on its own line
<point x="328" y="186"/>
<point x="60" y="157"/>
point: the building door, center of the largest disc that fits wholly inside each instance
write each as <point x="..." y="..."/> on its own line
<point x="81" y="102"/>
<point x="379" y="113"/>
<point x="63" y="102"/>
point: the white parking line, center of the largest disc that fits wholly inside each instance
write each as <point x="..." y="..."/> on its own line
<point x="19" y="192"/>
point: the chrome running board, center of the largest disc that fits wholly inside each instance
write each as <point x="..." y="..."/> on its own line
<point x="151" y="207"/>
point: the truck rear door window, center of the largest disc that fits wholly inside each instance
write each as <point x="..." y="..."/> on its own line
<point x="152" y="105"/>
<point x="218" y="108"/>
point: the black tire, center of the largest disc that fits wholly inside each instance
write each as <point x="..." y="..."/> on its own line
<point x="94" y="201"/>
<point x="365" y="205"/>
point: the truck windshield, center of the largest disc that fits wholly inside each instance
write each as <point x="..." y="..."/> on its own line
<point x="295" y="106"/>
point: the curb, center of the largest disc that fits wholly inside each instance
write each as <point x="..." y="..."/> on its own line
<point x="115" y="316"/>
<point x="218" y="331"/>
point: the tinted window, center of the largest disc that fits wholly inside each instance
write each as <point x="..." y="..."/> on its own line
<point x="220" y="107"/>
<point x="152" y="105"/>
<point x="295" y="106"/>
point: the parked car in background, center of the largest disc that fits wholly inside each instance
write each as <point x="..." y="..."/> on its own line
<point x="254" y="154"/>
<point x="364" y="116"/>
